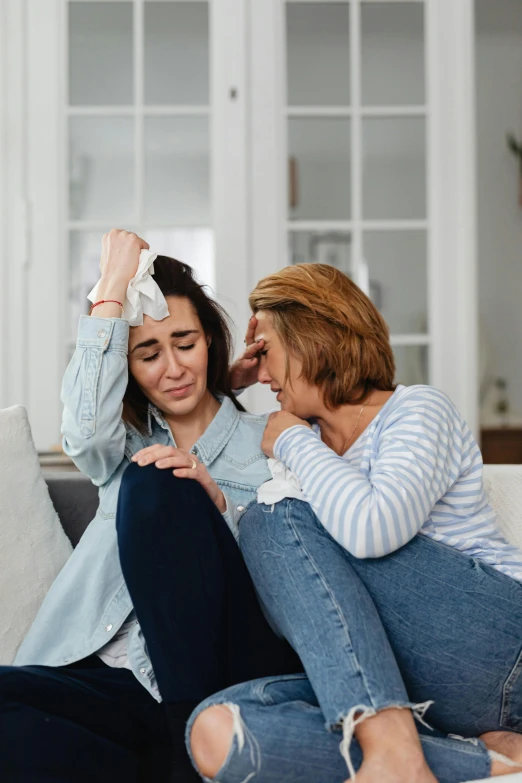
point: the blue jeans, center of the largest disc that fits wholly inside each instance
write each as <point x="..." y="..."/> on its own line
<point x="426" y="626"/>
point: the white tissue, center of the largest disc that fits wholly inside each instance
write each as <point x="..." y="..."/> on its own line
<point x="143" y="294"/>
<point x="284" y="484"/>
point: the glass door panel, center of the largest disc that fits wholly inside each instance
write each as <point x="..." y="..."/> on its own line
<point x="100" y="54"/>
<point x="318" y="54"/>
<point x="176" y="53"/>
<point x="319" y="169"/>
<point x="411" y="364"/>
<point x="194" y="246"/>
<point x="177" y="171"/>
<point x="394" y="173"/>
<point x="321" y="247"/>
<point x="397" y="268"/>
<point x="393" y="53"/>
<point x="101" y="169"/>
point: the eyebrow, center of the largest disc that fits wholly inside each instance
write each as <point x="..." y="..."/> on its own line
<point x="178" y="335"/>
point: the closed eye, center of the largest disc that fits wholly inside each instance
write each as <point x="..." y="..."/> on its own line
<point x="179" y="347"/>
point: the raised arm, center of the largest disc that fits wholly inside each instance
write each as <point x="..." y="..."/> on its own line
<point x="96" y="378"/>
<point x="417" y="459"/>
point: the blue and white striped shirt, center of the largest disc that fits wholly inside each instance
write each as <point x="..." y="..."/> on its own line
<point x="416" y="469"/>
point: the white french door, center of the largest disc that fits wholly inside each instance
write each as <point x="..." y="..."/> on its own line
<point x="241" y="135"/>
<point x="359" y="102"/>
<point x="135" y="118"/>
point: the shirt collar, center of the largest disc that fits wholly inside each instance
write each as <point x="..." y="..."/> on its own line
<point x="215" y="437"/>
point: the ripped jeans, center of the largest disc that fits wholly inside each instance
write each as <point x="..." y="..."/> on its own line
<point x="426" y="628"/>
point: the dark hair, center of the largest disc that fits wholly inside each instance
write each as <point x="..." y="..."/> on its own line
<point x="175" y="278"/>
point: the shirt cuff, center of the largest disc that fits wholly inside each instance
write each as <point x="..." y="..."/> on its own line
<point x="285" y="440"/>
<point x="105" y="333"/>
<point x="231" y="517"/>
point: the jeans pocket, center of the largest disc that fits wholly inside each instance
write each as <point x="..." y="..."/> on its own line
<point x="511" y="716"/>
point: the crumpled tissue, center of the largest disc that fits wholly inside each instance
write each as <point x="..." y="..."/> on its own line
<point x="283" y="484"/>
<point x="143" y="294"/>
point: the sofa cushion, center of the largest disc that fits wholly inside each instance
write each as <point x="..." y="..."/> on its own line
<point x="75" y="498"/>
<point x="33" y="545"/>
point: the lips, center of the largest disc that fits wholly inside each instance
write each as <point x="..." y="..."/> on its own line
<point x="178" y="391"/>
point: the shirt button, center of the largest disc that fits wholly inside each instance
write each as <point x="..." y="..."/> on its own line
<point x="102" y="333"/>
<point x="240" y="508"/>
<point x="137" y="622"/>
<point x="143" y="671"/>
<point x="108" y="627"/>
<point x="194" y="450"/>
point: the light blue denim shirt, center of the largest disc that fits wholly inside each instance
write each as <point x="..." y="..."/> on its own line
<point x="89" y="601"/>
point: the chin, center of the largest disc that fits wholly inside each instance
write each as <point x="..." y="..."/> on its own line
<point x="179" y="407"/>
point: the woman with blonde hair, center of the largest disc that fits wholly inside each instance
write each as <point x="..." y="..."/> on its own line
<point x="377" y="555"/>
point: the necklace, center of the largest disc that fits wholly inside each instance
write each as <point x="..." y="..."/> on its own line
<point x="346" y="442"/>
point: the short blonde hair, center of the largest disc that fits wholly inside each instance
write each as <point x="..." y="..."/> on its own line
<point x="332" y="327"/>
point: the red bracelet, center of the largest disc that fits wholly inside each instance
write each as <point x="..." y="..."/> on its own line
<point x="106" y="301"/>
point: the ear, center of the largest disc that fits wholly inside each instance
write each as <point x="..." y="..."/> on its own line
<point x="209" y="340"/>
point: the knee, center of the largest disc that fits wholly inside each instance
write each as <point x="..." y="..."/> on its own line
<point x="146" y="492"/>
<point x="136" y="480"/>
<point x="211" y="739"/>
<point x="149" y="484"/>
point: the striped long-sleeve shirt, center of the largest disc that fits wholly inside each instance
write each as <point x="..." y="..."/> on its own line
<point x="415" y="469"/>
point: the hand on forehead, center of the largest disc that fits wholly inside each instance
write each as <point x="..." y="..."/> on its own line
<point x="263" y="326"/>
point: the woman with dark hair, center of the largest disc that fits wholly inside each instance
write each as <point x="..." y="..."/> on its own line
<point x="155" y="609"/>
<point x="378" y="556"/>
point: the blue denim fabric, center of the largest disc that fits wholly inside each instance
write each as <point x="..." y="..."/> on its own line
<point x="281" y="738"/>
<point x="89" y="600"/>
<point x="425" y="623"/>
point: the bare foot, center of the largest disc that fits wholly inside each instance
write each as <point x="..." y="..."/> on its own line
<point x="392" y="752"/>
<point x="508" y="744"/>
<point x="386" y="770"/>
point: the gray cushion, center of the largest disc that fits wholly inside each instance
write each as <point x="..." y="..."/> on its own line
<point x="75" y="499"/>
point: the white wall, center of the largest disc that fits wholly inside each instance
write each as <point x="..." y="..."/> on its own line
<point x="499" y="110"/>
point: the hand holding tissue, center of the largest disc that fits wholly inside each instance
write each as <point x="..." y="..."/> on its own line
<point x="284" y="484"/>
<point x="143" y="294"/>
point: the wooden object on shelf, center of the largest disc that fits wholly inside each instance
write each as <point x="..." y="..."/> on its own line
<point x="501" y="445"/>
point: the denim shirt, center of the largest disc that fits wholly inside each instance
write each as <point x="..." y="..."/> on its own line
<point x="89" y="601"/>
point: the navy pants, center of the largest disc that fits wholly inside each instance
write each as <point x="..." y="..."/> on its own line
<point x="204" y="629"/>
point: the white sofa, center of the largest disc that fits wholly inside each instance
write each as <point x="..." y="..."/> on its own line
<point x="35" y="541"/>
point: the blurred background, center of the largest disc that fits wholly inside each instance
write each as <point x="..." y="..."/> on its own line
<point x="383" y="137"/>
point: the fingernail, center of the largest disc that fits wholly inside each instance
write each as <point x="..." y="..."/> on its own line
<point x="142" y="462"/>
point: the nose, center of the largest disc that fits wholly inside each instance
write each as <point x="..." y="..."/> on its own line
<point x="263" y="376"/>
<point x="174" y="368"/>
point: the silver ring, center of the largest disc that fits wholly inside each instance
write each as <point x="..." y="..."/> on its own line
<point x="194" y="464"/>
